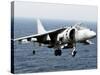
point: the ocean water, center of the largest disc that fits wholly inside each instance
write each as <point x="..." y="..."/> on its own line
<point x="44" y="59"/>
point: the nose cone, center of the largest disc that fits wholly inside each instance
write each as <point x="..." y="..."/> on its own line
<point x="93" y="34"/>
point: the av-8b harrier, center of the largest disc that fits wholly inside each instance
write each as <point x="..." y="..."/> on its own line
<point x="61" y="38"/>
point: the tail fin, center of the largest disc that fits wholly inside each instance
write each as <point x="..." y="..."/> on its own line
<point x="40" y="28"/>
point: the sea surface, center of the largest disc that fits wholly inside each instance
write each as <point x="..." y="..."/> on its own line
<point x="44" y="59"/>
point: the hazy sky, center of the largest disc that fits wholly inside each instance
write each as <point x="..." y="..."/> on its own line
<point x="53" y="11"/>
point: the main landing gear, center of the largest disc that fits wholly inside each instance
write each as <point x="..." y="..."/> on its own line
<point x="33" y="52"/>
<point x="58" y="52"/>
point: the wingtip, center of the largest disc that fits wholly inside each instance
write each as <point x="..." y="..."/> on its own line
<point x="13" y="39"/>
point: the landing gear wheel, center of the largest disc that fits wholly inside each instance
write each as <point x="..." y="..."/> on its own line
<point x="58" y="52"/>
<point x="74" y="53"/>
<point x="33" y="52"/>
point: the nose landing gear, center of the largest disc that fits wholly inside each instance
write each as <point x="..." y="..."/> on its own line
<point x="74" y="51"/>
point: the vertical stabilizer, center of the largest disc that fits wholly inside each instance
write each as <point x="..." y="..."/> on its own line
<point x="40" y="28"/>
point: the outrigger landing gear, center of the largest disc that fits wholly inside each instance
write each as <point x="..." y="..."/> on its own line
<point x="58" y="52"/>
<point x="34" y="49"/>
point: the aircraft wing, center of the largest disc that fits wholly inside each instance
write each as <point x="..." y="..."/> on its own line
<point x="51" y="33"/>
